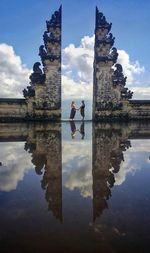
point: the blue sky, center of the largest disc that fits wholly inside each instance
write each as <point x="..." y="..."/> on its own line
<point x="22" y="24"/>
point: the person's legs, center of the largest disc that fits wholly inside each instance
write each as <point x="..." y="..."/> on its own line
<point x="82" y="114"/>
<point x="74" y="113"/>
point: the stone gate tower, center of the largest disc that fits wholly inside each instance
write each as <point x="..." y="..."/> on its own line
<point x="43" y="96"/>
<point x="110" y="97"/>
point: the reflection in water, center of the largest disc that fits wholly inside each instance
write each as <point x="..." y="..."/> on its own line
<point x="108" y="147"/>
<point x="46" y="156"/>
<point x="76" y="159"/>
<point x="15" y="163"/>
<point x="44" y="145"/>
<point x="84" y="182"/>
<point x="74" y="130"/>
<point x="82" y="131"/>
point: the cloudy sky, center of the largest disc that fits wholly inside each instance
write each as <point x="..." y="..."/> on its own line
<point x="22" y="25"/>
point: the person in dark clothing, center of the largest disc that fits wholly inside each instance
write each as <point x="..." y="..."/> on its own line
<point x="82" y="109"/>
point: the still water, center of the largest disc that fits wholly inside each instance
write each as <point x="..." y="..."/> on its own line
<point x="78" y="187"/>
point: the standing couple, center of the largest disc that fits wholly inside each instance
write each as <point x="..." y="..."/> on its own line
<point x="74" y="109"/>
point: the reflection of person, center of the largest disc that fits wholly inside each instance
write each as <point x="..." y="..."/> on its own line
<point x="73" y="129"/>
<point x="82" y="109"/>
<point x="82" y="130"/>
<point x="73" y="110"/>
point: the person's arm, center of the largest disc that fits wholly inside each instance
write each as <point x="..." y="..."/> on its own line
<point x="76" y="108"/>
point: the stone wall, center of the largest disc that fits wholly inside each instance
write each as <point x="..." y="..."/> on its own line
<point x="130" y="110"/>
<point x="24" y="130"/>
<point x="12" y="109"/>
<point x="139" y="109"/>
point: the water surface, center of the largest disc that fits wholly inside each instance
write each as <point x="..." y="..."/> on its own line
<point x="75" y="187"/>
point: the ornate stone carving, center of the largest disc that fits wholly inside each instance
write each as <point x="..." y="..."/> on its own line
<point x="55" y="20"/>
<point x="29" y="92"/>
<point x="108" y="105"/>
<point x="118" y="77"/>
<point x="37" y="77"/>
<point x="51" y="54"/>
<point x="113" y="55"/>
<point x="108" y="39"/>
<point x="126" y="93"/>
<point x="119" y="80"/>
<point x="103" y="56"/>
<point x="101" y="21"/>
<point x="48" y="97"/>
<point x="46" y="38"/>
<point x="52" y="40"/>
<point x="108" y="91"/>
<point x="42" y="53"/>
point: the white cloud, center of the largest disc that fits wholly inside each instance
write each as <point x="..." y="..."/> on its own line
<point x="77" y="74"/>
<point x="78" y="70"/>
<point x="72" y="89"/>
<point x="134" y="159"/>
<point x="77" y="166"/>
<point x="141" y="92"/>
<point x="130" y="69"/>
<point x="134" y="71"/>
<point x="15" y="163"/>
<point x="14" y="76"/>
<point x="80" y="59"/>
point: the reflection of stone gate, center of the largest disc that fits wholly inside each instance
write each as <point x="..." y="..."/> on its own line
<point x="46" y="153"/>
<point x="109" y="144"/>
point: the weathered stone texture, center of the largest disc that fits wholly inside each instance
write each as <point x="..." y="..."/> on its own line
<point x="109" y="142"/>
<point x="139" y="109"/>
<point x="12" y="109"/>
<point x="53" y="86"/>
<point x="45" y="148"/>
<point x="109" y="92"/>
<point x="43" y="95"/>
<point x="45" y="101"/>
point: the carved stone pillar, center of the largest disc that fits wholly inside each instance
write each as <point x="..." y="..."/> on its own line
<point x="44" y="95"/>
<point x="109" y="92"/>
